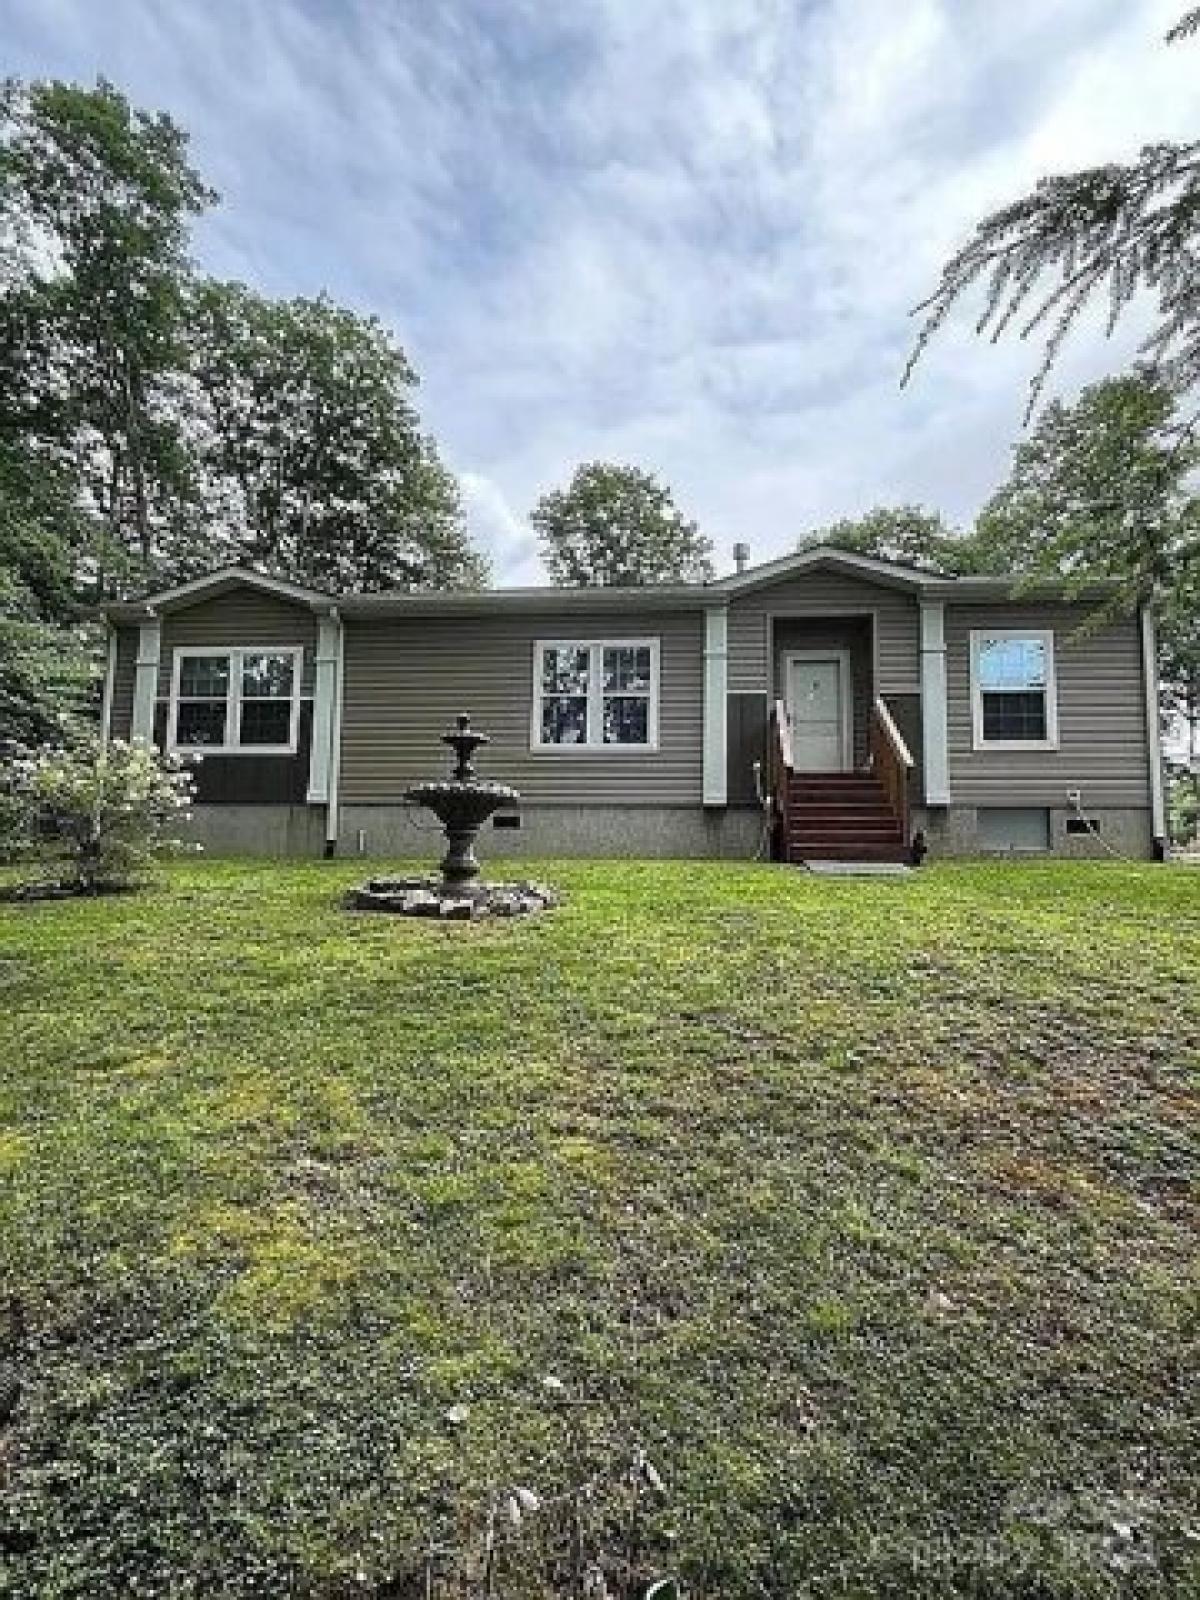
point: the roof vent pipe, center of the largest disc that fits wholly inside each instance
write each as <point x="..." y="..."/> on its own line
<point x="741" y="556"/>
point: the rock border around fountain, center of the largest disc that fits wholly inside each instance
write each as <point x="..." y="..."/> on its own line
<point x="428" y="897"/>
<point x="462" y="803"/>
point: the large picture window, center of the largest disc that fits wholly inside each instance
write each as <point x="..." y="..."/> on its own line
<point x="1014" y="704"/>
<point x="595" y="694"/>
<point x="236" y="701"/>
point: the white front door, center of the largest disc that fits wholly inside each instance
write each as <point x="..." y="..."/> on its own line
<point x="817" y="696"/>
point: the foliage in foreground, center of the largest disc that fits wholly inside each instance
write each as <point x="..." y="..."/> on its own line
<point x="93" y="816"/>
<point x="857" y="1211"/>
<point x="1118" y="231"/>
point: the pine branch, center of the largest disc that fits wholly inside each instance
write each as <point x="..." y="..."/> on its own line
<point x="1133" y="228"/>
<point x="1187" y="25"/>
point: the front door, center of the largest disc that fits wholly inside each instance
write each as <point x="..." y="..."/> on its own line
<point x="818" y="691"/>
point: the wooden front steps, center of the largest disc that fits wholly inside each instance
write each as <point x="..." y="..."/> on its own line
<point x="839" y="816"/>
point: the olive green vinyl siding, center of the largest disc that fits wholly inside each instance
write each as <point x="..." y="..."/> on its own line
<point x="241" y="616"/>
<point x="1101" y="714"/>
<point x="405" y="680"/>
<point x="126" y="670"/>
<point x="817" y="593"/>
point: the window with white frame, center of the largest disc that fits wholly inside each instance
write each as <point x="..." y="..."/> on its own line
<point x="595" y="694"/>
<point x="1014" y="704"/>
<point x="243" y="700"/>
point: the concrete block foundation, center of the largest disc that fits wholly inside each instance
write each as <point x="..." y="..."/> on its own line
<point x="633" y="831"/>
<point x="953" y="831"/>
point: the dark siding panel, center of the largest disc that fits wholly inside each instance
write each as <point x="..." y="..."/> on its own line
<point x="747" y="744"/>
<point x="250" y="780"/>
<point x="1101" y="714"/>
<point x="906" y="714"/>
<point x="126" y="667"/>
<point x="406" y="679"/>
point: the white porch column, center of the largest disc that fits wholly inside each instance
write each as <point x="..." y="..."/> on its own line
<point x="145" y="681"/>
<point x="935" y="738"/>
<point x="1158" y="810"/>
<point x="716" y="705"/>
<point x="324" y="695"/>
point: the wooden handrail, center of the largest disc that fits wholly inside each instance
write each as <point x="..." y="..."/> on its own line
<point x="779" y="766"/>
<point x="891" y="761"/>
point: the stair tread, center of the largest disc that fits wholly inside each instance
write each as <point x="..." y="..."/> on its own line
<point x="849" y="853"/>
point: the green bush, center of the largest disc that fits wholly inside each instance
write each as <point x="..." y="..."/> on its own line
<point x="96" y="814"/>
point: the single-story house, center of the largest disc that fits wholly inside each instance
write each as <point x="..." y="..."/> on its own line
<point x="851" y="704"/>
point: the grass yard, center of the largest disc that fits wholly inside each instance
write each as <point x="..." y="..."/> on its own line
<point x="861" y="1208"/>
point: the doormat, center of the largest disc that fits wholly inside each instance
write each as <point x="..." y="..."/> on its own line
<point x="857" y="869"/>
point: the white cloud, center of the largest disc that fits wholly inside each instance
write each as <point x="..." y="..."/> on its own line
<point x="498" y="529"/>
<point x="685" y="234"/>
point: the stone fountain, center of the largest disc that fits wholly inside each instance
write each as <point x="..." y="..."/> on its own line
<point x="462" y="803"/>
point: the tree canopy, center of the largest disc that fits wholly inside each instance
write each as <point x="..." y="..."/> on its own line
<point x="905" y="533"/>
<point x="154" y="423"/>
<point x="198" y="420"/>
<point x="1100" y="486"/>
<point x="1106" y="487"/>
<point x="618" y="525"/>
<point x="311" y="450"/>
<point x="95" y="203"/>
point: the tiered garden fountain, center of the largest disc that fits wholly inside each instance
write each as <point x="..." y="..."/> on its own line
<point x="462" y="803"/>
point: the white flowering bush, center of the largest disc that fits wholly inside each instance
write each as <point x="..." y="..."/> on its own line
<point x="97" y="813"/>
<point x="15" y="805"/>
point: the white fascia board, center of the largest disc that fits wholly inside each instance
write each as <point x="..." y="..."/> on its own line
<point x="196" y="588"/>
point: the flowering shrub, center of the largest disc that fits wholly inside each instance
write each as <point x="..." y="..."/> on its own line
<point x="15" y="812"/>
<point x="98" y="813"/>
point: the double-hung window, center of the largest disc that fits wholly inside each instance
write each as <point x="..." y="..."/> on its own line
<point x="243" y="700"/>
<point x="1013" y="698"/>
<point x="595" y="694"/>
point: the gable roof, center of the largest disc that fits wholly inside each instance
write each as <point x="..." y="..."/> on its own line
<point x="210" y="584"/>
<point x="897" y="574"/>
<point x="648" y="597"/>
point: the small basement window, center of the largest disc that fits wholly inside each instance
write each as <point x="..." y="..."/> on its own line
<point x="1013" y="698"/>
<point x="236" y="701"/>
<point x="1013" y="829"/>
<point x="1082" y="825"/>
<point x="595" y="694"/>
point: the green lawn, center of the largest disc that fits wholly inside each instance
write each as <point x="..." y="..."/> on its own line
<point x="861" y="1207"/>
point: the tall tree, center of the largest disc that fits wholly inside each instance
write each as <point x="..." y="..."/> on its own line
<point x="1100" y="487"/>
<point x="1117" y="229"/>
<point x="906" y="533"/>
<point x="312" y="451"/>
<point x="617" y="525"/>
<point x="47" y="670"/>
<point x="1106" y="487"/>
<point x="95" y="203"/>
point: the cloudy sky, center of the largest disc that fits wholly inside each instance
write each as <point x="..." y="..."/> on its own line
<point x="681" y="233"/>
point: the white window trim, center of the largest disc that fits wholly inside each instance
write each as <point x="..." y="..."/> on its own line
<point x="233" y="699"/>
<point x="595" y="714"/>
<point x="1046" y="638"/>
